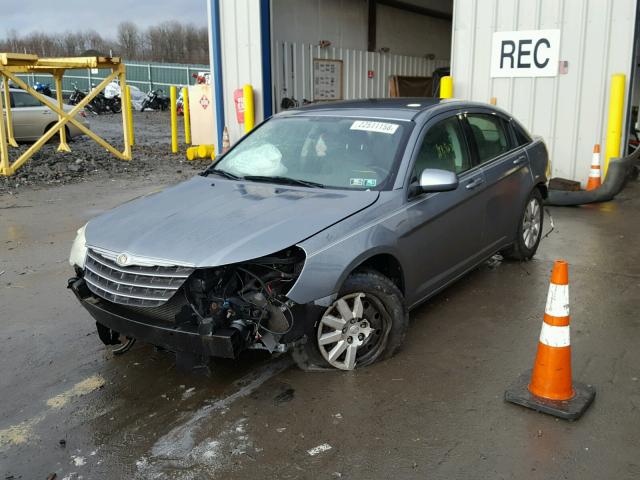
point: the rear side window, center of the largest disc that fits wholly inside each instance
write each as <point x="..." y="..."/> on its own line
<point x="522" y="137"/>
<point x="442" y="148"/>
<point x="490" y="136"/>
<point x="21" y="99"/>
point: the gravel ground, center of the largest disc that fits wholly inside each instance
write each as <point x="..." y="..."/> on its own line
<point x="89" y="161"/>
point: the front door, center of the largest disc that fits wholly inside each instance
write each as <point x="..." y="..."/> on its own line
<point x="444" y="229"/>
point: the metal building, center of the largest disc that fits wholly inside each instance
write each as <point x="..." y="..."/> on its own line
<point x="273" y="44"/>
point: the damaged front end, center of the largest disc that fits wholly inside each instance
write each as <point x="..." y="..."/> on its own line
<point x="207" y="312"/>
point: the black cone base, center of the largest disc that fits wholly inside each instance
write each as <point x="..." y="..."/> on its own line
<point x="573" y="409"/>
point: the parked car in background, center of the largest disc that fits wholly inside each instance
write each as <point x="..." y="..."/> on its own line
<point x="31" y="119"/>
<point x="318" y="231"/>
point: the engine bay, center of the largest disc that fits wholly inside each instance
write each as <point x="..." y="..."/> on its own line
<point x="246" y="301"/>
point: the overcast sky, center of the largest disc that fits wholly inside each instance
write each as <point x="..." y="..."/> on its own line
<point x="51" y="16"/>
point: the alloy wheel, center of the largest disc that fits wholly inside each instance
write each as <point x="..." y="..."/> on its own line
<point x="351" y="330"/>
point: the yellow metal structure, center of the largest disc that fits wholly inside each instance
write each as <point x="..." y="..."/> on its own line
<point x="127" y="100"/>
<point x="174" y="118"/>
<point x="249" y="112"/>
<point x="614" y="125"/>
<point x="7" y="101"/>
<point x="446" y="87"/>
<point x="12" y="64"/>
<point x="187" y="115"/>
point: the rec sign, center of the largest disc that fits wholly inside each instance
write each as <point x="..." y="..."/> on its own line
<point x="532" y="53"/>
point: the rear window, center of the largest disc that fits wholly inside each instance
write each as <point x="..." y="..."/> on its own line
<point x="522" y="137"/>
<point x="23" y="99"/>
<point x="490" y="136"/>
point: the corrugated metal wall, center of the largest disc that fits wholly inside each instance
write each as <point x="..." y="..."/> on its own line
<point x="293" y="70"/>
<point x="241" y="57"/>
<point x="570" y="110"/>
<point x="143" y="75"/>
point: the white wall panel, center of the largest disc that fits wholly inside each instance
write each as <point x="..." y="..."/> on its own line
<point x="241" y="57"/>
<point x="293" y="70"/>
<point x="570" y="110"/>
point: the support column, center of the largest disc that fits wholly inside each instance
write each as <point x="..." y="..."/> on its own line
<point x="64" y="146"/>
<point x="7" y="101"/>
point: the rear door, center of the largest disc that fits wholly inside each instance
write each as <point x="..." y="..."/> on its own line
<point x="29" y="116"/>
<point x="444" y="230"/>
<point x="506" y="172"/>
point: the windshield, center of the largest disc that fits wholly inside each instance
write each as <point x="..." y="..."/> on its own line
<point x="334" y="152"/>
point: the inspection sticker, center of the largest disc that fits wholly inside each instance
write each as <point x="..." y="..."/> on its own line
<point x="379" y="127"/>
<point x="363" y="182"/>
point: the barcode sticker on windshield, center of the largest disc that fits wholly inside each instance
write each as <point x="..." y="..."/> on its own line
<point x="379" y="127"/>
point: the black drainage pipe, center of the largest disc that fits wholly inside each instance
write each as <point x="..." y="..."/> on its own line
<point x="620" y="170"/>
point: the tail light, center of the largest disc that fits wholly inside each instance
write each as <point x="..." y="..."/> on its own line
<point x="83" y="114"/>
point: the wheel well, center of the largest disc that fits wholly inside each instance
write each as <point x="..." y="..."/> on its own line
<point x="48" y="127"/>
<point x="544" y="191"/>
<point x="387" y="265"/>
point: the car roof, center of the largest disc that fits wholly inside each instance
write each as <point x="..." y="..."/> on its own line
<point x="399" y="108"/>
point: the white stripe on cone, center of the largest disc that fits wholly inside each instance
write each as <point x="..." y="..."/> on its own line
<point x="594" y="172"/>
<point x="558" y="301"/>
<point x="552" y="336"/>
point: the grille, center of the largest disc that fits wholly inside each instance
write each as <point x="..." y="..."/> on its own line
<point x="132" y="285"/>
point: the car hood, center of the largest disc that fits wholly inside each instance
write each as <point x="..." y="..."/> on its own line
<point x="208" y="221"/>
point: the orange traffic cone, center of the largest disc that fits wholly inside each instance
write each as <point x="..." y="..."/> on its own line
<point x="226" y="144"/>
<point x="550" y="388"/>
<point x="594" y="175"/>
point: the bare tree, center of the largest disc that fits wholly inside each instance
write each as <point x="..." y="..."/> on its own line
<point x="166" y="42"/>
<point x="129" y="40"/>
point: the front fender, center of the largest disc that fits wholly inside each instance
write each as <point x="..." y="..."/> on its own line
<point x="334" y="253"/>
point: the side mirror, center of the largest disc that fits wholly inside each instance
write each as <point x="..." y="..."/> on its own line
<point x="435" y="180"/>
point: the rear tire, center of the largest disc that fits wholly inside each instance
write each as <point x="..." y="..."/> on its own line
<point x="529" y="232"/>
<point x="368" y="322"/>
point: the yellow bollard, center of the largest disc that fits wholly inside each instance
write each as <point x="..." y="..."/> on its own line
<point x="174" y="119"/>
<point x="213" y="156"/>
<point x="205" y="151"/>
<point x="249" y="113"/>
<point x="187" y="118"/>
<point x="192" y="153"/>
<point x="614" y="125"/>
<point x="446" y="87"/>
<point x="127" y="105"/>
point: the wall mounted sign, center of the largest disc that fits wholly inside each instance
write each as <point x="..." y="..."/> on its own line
<point x="531" y="53"/>
<point x="327" y="79"/>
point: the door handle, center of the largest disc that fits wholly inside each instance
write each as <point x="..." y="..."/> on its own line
<point x="520" y="160"/>
<point x="474" y="183"/>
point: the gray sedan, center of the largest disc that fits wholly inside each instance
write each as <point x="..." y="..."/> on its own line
<point x="31" y="119"/>
<point x="316" y="233"/>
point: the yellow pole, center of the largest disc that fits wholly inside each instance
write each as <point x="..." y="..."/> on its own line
<point x="127" y="105"/>
<point x="186" y="113"/>
<point x="126" y="120"/>
<point x="174" y="119"/>
<point x="64" y="146"/>
<point x="7" y="101"/>
<point x="446" y="87"/>
<point x="614" y="125"/>
<point x="5" y="169"/>
<point x="249" y="114"/>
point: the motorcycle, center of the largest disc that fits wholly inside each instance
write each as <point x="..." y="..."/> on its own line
<point x="99" y="104"/>
<point x="43" y="88"/>
<point x="155" y="100"/>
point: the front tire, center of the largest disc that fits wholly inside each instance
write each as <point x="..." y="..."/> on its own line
<point x="368" y="322"/>
<point x="529" y="231"/>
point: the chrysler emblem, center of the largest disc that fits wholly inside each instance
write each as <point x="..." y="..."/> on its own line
<point x="122" y="259"/>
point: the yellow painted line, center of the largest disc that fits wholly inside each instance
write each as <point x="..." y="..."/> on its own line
<point x="23" y="432"/>
<point x="86" y="386"/>
<point x="20" y="433"/>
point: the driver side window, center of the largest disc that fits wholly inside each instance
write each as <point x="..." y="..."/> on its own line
<point x="442" y="148"/>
